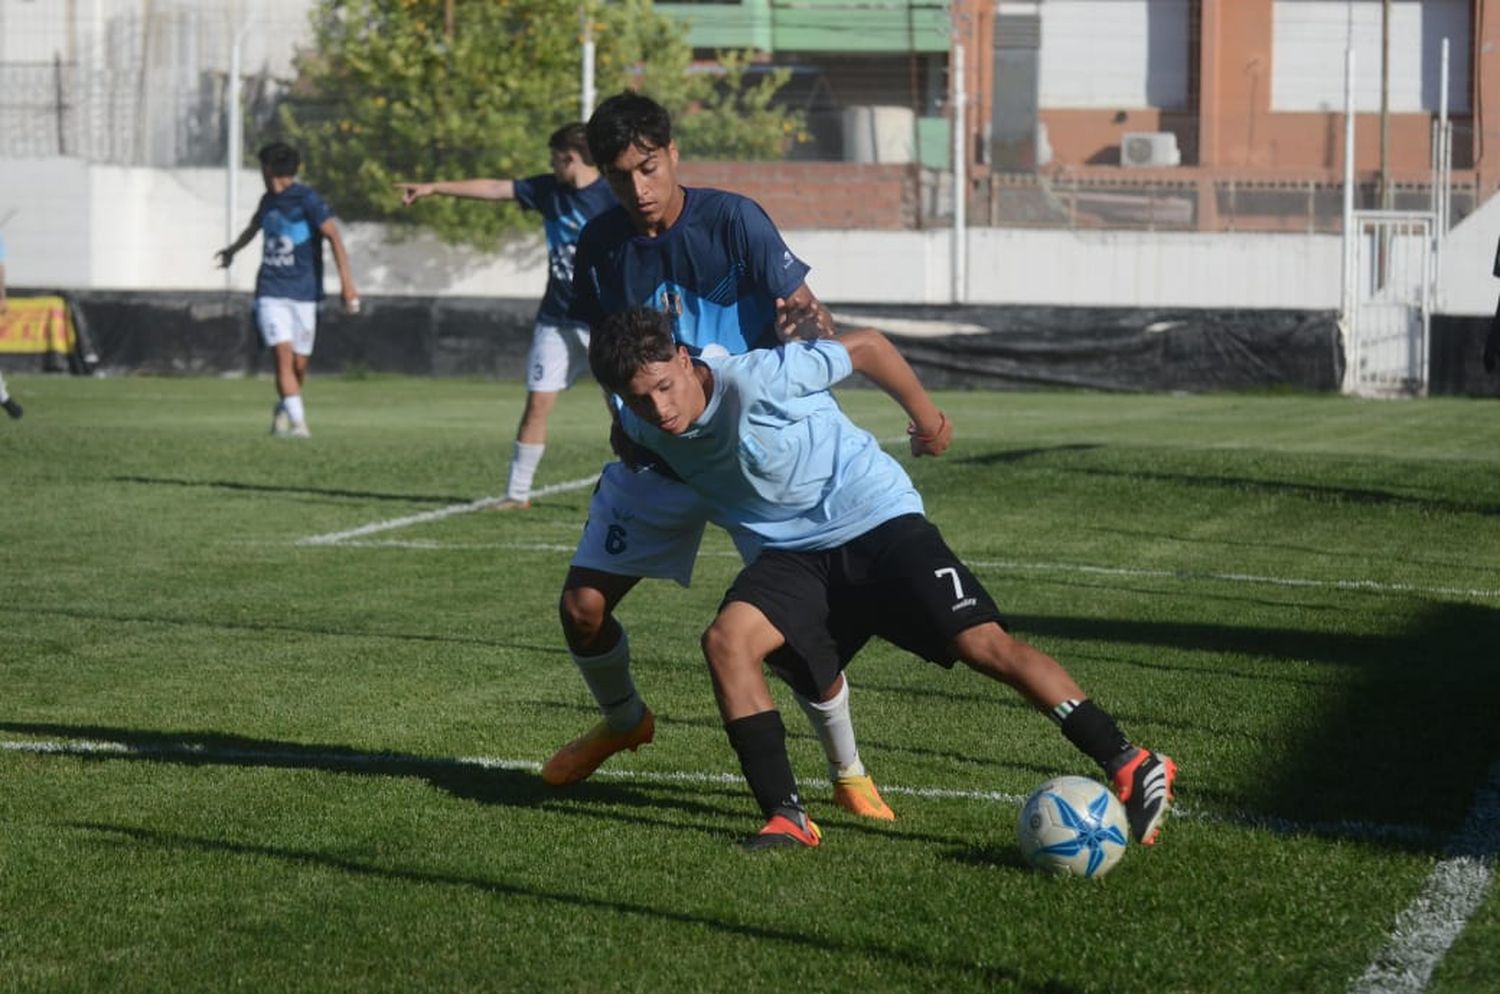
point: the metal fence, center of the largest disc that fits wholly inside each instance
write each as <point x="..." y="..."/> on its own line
<point x="144" y="84"/>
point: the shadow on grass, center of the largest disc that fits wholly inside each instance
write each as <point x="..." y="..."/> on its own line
<point x="269" y="488"/>
<point x="80" y="614"/>
<point x="1021" y="455"/>
<point x="500" y="783"/>
<point x="1308" y="491"/>
<point x="1405" y="739"/>
<point x="822" y="939"/>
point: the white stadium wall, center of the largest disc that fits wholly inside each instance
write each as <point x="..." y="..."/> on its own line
<point x="81" y="227"/>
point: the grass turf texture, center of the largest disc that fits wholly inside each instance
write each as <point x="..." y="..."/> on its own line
<point x="1295" y="596"/>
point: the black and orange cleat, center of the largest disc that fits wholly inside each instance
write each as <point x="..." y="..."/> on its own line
<point x="786" y="828"/>
<point x="1144" y="785"/>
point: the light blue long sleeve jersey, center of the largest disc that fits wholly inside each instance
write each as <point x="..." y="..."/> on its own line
<point x="776" y="456"/>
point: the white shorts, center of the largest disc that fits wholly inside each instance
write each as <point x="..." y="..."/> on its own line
<point x="559" y="355"/>
<point x="281" y="319"/>
<point x="645" y="524"/>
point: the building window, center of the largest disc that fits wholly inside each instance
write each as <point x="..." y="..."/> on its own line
<point x="1115" y="53"/>
<point x="1309" y="38"/>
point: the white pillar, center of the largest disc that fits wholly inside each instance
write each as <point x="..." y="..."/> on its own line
<point x="233" y="121"/>
<point x="960" y="177"/>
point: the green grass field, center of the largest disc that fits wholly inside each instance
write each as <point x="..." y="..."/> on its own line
<point x="235" y="759"/>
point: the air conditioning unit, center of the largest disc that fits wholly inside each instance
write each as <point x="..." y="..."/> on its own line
<point x="1149" y="148"/>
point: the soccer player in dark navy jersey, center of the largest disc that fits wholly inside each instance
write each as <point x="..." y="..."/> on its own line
<point x="566" y="198"/>
<point x="714" y="263"/>
<point x="293" y="222"/>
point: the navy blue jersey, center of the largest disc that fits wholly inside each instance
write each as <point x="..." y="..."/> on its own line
<point x="565" y="210"/>
<point x="291" y="262"/>
<point x="717" y="271"/>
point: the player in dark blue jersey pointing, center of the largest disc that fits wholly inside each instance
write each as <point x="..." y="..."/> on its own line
<point x="566" y="198"/>
<point x="716" y="264"/>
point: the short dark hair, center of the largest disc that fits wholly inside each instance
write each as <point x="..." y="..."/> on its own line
<point x="628" y="341"/>
<point x="624" y="120"/>
<point x="572" y="137"/>
<point x="279" y="159"/>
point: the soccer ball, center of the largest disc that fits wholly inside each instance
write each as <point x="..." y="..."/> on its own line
<point x="1073" y="826"/>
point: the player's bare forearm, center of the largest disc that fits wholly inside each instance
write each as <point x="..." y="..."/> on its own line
<point x="347" y="290"/>
<point x="470" y="189"/>
<point x="226" y="255"/>
<point x="801" y="315"/>
<point x="872" y="354"/>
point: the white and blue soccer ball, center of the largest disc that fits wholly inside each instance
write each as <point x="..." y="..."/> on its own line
<point x="1073" y="826"/>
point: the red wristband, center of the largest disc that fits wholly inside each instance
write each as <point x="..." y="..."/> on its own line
<point x="942" y="420"/>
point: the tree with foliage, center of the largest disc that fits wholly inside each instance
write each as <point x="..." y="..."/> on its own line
<point x="393" y="91"/>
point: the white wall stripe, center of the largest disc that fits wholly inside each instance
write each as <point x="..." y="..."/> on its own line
<point x="1424" y="931"/>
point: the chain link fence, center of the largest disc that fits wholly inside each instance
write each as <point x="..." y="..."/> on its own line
<point x="144" y="84"/>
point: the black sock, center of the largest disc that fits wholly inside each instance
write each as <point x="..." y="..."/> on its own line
<point x="1094" y="732"/>
<point x="760" y="742"/>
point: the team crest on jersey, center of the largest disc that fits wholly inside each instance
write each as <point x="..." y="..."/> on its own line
<point x="670" y="303"/>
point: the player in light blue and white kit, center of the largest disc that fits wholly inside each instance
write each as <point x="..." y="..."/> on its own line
<point x="566" y="198"/>
<point x="293" y="222"/>
<point x="714" y="263"/>
<point x="846" y="553"/>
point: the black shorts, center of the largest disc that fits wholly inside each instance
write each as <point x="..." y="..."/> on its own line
<point x="899" y="581"/>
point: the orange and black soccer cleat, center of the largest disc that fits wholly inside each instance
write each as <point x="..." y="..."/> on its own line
<point x="1144" y="784"/>
<point x="787" y="827"/>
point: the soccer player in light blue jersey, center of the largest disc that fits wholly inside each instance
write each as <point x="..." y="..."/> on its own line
<point x="716" y="264"/>
<point x="566" y="198"/>
<point x="845" y="552"/>
<point x="293" y="222"/>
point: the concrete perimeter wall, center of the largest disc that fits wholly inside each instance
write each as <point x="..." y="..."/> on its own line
<point x="82" y="227"/>
<point x="77" y="226"/>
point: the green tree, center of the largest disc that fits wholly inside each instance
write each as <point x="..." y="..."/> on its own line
<point x="389" y="94"/>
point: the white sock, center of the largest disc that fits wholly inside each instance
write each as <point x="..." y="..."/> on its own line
<point x="609" y="680"/>
<point x="4" y="393"/>
<point x="835" y="729"/>
<point x="523" y="462"/>
<point x="293" y="407"/>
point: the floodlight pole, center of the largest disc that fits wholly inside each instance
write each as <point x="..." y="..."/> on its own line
<point x="586" y="87"/>
<point x="1350" y="280"/>
<point x="233" y="153"/>
<point x="960" y="177"/>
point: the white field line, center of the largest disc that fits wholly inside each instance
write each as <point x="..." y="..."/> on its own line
<point x="1374" y="586"/>
<point x="1357" y="830"/>
<point x="335" y="538"/>
<point x="1426" y="928"/>
<point x="1364" y="586"/>
<point x="350" y="539"/>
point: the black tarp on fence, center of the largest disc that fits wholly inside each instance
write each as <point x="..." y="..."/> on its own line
<point x="1097" y="348"/>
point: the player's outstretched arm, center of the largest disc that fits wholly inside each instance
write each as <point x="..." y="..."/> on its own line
<point x="873" y="355"/>
<point x="330" y="231"/>
<point x="471" y="189"/>
<point x="226" y="255"/>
